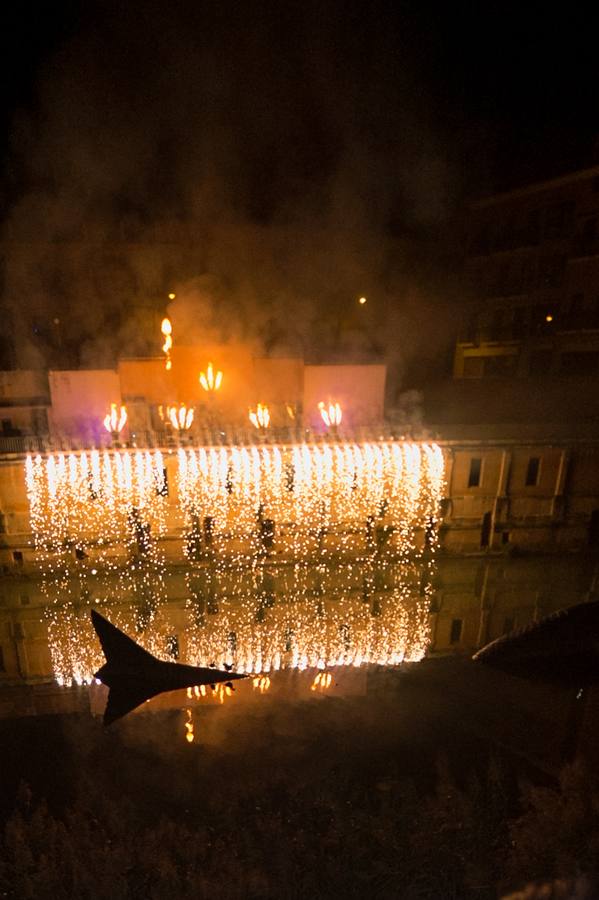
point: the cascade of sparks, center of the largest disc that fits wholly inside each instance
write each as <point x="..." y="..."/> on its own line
<point x="302" y="556"/>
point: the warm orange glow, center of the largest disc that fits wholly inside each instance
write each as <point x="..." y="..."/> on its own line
<point x="261" y="683"/>
<point x="171" y="296"/>
<point x="180" y="417"/>
<point x="362" y="301"/>
<point x="549" y="317"/>
<point x="322" y="681"/>
<point x="331" y="414"/>
<point x="211" y="380"/>
<point x="260" y="417"/>
<point x="167" y="330"/>
<point x="189" y="735"/>
<point x="115" y="420"/>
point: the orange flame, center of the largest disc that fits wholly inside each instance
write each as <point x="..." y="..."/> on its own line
<point x="322" y="681"/>
<point x="261" y="683"/>
<point x="181" y="418"/>
<point x="115" y="421"/>
<point x="167" y="330"/>
<point x="260" y="417"/>
<point x="189" y="735"/>
<point x="331" y="414"/>
<point x="211" y="380"/>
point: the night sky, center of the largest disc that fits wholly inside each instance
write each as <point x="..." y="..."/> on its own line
<point x="356" y="127"/>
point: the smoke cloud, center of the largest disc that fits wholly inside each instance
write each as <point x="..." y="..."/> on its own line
<point x="268" y="164"/>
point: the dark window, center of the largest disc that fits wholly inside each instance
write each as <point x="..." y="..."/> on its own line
<point x="17" y="555"/>
<point x="475" y="472"/>
<point x="80" y="554"/>
<point x="455" y="635"/>
<point x="24" y="598"/>
<point x="532" y="471"/>
<point x="473" y="366"/>
<point x="500" y="365"/>
<point x="6" y="426"/>
<point x="505" y="537"/>
<point x="485" y="530"/>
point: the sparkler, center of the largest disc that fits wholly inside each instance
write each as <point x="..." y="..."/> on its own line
<point x="210" y="380"/>
<point x="167" y="331"/>
<point x="260" y="417"/>
<point x="331" y="414"/>
<point x="355" y="517"/>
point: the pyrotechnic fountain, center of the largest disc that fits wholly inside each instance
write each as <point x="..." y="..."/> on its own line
<point x="331" y="414"/>
<point x="115" y="420"/>
<point x="260" y="417"/>
<point x="301" y="556"/>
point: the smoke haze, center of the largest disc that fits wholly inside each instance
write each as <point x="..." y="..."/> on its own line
<point x="270" y="164"/>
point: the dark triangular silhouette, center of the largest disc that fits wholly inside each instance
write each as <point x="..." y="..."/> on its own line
<point x="562" y="648"/>
<point x="134" y="675"/>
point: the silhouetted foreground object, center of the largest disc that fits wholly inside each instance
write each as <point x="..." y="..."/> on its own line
<point x="134" y="675"/>
<point x="562" y="649"/>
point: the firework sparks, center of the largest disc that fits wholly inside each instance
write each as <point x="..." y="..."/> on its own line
<point x="346" y="581"/>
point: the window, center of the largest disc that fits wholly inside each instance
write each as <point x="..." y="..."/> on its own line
<point x="455" y="635"/>
<point x="475" y="472"/>
<point x="473" y="366"/>
<point x="17" y="555"/>
<point x="532" y="471"/>
<point x="500" y="365"/>
<point x="2" y="666"/>
<point x="24" y="599"/>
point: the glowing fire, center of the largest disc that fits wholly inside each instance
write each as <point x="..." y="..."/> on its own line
<point x="211" y="380"/>
<point x="261" y="683"/>
<point x="189" y="735"/>
<point x="167" y="331"/>
<point x="116" y="419"/>
<point x="180" y="417"/>
<point x="322" y="681"/>
<point x="260" y="417"/>
<point x="331" y="414"/>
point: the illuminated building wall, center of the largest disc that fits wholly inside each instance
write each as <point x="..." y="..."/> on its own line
<point x="360" y="390"/>
<point x="80" y="399"/>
